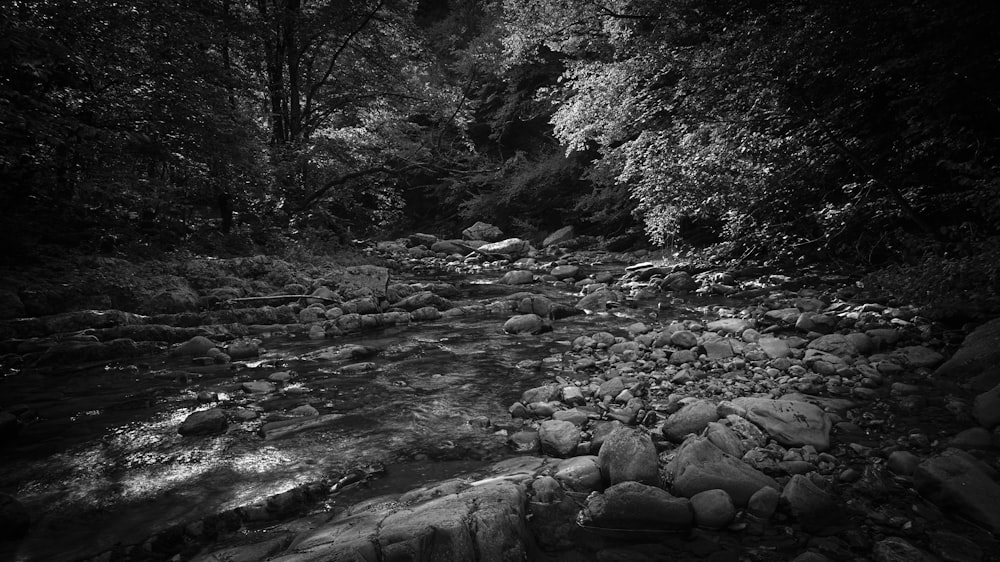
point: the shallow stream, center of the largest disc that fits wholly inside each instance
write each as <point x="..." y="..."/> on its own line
<point x="104" y="464"/>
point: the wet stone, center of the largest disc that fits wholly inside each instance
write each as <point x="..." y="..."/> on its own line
<point x="257" y="387"/>
<point x="204" y="422"/>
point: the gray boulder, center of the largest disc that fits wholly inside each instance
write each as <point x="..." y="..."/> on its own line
<point x="580" y="474"/>
<point x="517" y="277"/>
<point x="629" y="454"/>
<point x="693" y="417"/>
<point x="524" y="324"/>
<point x="632" y="505"/>
<point x="713" y="509"/>
<point x="790" y="423"/>
<point x="205" y="422"/>
<point x="512" y="247"/>
<point x="699" y="465"/>
<point x="483" y="231"/>
<point x="559" y="438"/>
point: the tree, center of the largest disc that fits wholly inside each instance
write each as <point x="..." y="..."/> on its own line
<point x="793" y="122"/>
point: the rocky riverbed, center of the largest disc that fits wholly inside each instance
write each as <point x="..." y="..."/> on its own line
<point x="481" y="399"/>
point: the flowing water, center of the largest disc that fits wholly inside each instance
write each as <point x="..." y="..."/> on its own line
<point x="105" y="465"/>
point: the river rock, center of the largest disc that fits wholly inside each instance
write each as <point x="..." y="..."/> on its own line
<point x="958" y="481"/>
<point x="422" y="299"/>
<point x="698" y="465"/>
<point x="717" y="350"/>
<point x="684" y="339"/>
<point x="790" y="423"/>
<point x="450" y="247"/>
<point x="483" y="231"/>
<point x="693" y="417"/>
<point x="917" y="356"/>
<point x="835" y="344"/>
<point x="775" y="348"/>
<point x="722" y="436"/>
<point x="559" y="438"/>
<point x="564" y="234"/>
<point x="599" y="300"/>
<point x="539" y="305"/>
<point x="580" y="474"/>
<point x="978" y="359"/>
<point x="517" y="277"/>
<point x="679" y="281"/>
<point x="815" y="322"/>
<point x="903" y="462"/>
<point x="420" y="239"/>
<point x="14" y="518"/>
<point x="565" y="272"/>
<point x="512" y="247"/>
<point x="524" y="324"/>
<point x="544" y="393"/>
<point x="713" y="509"/>
<point x="629" y="454"/>
<point x="729" y="325"/>
<point x="764" y="502"/>
<point x="204" y="422"/>
<point x="242" y="350"/>
<point x="787" y="316"/>
<point x="812" y="507"/>
<point x="986" y="408"/>
<point x="525" y="442"/>
<point x="442" y="525"/>
<point x="425" y="314"/>
<point x="257" y="387"/>
<point x="632" y="505"/>
<point x="197" y="346"/>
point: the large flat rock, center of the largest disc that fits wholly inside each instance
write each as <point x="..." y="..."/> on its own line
<point x="790" y="423"/>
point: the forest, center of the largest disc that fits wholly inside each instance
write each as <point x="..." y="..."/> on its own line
<point x="860" y="134"/>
